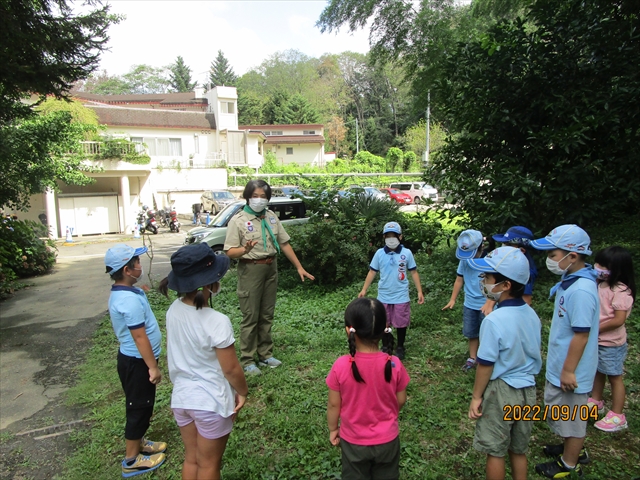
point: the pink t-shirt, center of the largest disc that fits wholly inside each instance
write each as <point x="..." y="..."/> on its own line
<point x="369" y="411"/>
<point x="611" y="300"/>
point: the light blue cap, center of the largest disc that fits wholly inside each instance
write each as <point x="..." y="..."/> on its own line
<point x="119" y="255"/>
<point x="508" y="261"/>
<point x="392" y="227"/>
<point x="566" y="237"/>
<point x="468" y="243"/>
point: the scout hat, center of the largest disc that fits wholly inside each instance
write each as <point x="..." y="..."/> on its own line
<point x="507" y="261"/>
<point x="566" y="237"/>
<point x="468" y="243"/>
<point x="119" y="255"/>
<point x="194" y="266"/>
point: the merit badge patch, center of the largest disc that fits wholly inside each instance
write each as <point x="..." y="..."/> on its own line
<point x="272" y="220"/>
<point x="249" y="227"/>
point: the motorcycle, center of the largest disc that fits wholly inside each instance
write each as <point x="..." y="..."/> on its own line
<point x="163" y="217"/>
<point x="174" y="224"/>
<point x="148" y="223"/>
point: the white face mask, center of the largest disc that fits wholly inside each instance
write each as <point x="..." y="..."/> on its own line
<point x="392" y="242"/>
<point x="554" y="267"/>
<point x="487" y="290"/>
<point x="141" y="273"/>
<point x="258" y="204"/>
<point x="213" y="294"/>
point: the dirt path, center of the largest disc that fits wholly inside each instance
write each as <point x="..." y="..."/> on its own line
<point x="45" y="332"/>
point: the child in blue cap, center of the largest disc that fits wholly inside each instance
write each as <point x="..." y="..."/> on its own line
<point x="394" y="262"/>
<point x="572" y="354"/>
<point x="469" y="245"/>
<point x="508" y="361"/>
<point x="140" y="339"/>
<point x="521" y="237"/>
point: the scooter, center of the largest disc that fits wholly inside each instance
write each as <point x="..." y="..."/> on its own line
<point x="163" y="217"/>
<point x="150" y="222"/>
<point x="174" y="224"/>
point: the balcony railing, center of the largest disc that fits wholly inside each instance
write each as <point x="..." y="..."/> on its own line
<point x="118" y="149"/>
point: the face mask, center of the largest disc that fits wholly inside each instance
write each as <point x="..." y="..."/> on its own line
<point x="392" y="242"/>
<point x="602" y="273"/>
<point x="258" y="204"/>
<point x="488" y="290"/>
<point x="553" y="266"/>
<point x="139" y="276"/>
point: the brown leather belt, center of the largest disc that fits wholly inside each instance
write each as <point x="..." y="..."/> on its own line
<point x="268" y="260"/>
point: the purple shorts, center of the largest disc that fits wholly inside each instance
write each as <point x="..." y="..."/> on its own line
<point x="209" y="424"/>
<point x="398" y="314"/>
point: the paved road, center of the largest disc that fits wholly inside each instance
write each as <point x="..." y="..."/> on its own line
<point x="43" y="327"/>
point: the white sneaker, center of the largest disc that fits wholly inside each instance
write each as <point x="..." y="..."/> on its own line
<point x="270" y="362"/>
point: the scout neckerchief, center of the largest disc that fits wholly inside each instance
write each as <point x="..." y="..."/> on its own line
<point x="265" y="226"/>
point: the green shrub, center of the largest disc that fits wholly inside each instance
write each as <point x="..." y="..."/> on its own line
<point x="22" y="252"/>
<point x="422" y="232"/>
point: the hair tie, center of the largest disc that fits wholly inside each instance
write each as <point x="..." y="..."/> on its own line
<point x="351" y="359"/>
<point x="352" y="330"/>
<point x="389" y="357"/>
<point x="387" y="330"/>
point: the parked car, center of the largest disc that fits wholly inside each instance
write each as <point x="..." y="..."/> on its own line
<point x="395" y="194"/>
<point x="289" y="191"/>
<point x="213" y="201"/>
<point x="290" y="211"/>
<point x="368" y="191"/>
<point x="416" y="191"/>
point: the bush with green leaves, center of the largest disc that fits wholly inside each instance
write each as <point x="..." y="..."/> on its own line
<point x="394" y="159"/>
<point x="23" y="253"/>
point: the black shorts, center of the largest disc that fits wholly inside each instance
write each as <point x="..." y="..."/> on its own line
<point x="378" y="462"/>
<point x="139" y="393"/>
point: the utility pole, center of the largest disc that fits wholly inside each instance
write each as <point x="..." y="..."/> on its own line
<point x="357" y="138"/>
<point x="426" y="150"/>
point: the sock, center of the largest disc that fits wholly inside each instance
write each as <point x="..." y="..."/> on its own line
<point x="402" y="333"/>
<point x="567" y="466"/>
<point x="130" y="461"/>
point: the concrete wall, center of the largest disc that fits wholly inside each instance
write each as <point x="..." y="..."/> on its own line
<point x="306" y="153"/>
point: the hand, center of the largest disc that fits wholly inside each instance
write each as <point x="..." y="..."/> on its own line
<point x="420" y="298"/>
<point x="487" y="308"/>
<point x="249" y="245"/>
<point x="363" y="293"/>
<point x="334" y="437"/>
<point x="449" y="305"/>
<point x="303" y="273"/>
<point x="240" y="401"/>
<point x="475" y="408"/>
<point x="568" y="381"/>
<point x="154" y="375"/>
<point x="146" y="288"/>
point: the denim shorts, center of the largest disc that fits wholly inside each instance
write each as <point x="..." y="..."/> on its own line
<point x="209" y="424"/>
<point x="471" y="320"/>
<point x="611" y="359"/>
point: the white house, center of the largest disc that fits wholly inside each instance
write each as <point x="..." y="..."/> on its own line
<point x="190" y="137"/>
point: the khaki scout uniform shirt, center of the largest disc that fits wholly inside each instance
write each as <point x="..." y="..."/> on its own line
<point x="245" y="226"/>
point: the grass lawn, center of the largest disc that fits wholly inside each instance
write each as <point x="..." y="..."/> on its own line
<point x="282" y="434"/>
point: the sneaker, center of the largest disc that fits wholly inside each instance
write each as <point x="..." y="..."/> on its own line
<point x="400" y="353"/>
<point x="556" y="469"/>
<point x="613" y="422"/>
<point x="592" y="402"/>
<point x="469" y="365"/>
<point x="147" y="447"/>
<point x="270" y="362"/>
<point x="556" y="451"/>
<point x="252" y="370"/>
<point x="142" y="464"/>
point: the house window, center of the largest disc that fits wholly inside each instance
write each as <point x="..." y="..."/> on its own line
<point x="259" y="148"/>
<point x="289" y="150"/>
<point x="308" y="132"/>
<point x="196" y="144"/>
<point x="267" y="133"/>
<point x="139" y="146"/>
<point x="227" y="107"/>
<point x="276" y="132"/>
<point x="164" y="147"/>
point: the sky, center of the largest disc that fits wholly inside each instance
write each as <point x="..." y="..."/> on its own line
<point x="155" y="32"/>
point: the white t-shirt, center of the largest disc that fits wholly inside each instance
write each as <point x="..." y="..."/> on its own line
<point x="194" y="369"/>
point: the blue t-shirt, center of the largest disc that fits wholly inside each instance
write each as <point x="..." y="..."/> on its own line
<point x="473" y="297"/>
<point x="393" y="266"/>
<point x="510" y="341"/>
<point x="129" y="309"/>
<point x="533" y="274"/>
<point x="576" y="309"/>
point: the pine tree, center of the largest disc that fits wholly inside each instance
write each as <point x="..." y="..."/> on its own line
<point x="221" y="73"/>
<point x="180" y="77"/>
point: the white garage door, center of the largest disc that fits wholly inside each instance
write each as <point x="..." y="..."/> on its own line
<point x="89" y="215"/>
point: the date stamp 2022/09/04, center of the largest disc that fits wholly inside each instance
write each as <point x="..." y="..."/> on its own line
<point x="556" y="413"/>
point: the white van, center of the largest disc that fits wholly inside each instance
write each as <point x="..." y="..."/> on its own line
<point x="416" y="190"/>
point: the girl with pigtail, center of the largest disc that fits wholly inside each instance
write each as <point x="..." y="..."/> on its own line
<point x="367" y="389"/>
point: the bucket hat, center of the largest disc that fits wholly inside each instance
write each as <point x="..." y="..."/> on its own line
<point x="194" y="266"/>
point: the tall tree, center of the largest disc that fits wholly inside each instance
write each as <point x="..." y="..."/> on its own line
<point x="180" y="77"/>
<point x="147" y="79"/>
<point x="302" y="111"/>
<point x="101" y="83"/>
<point x="221" y="73"/>
<point x="45" y="49"/>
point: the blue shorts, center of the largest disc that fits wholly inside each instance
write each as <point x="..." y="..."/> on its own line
<point x="611" y="359"/>
<point x="471" y="320"/>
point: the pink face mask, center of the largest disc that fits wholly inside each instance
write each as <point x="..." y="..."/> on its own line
<point x="602" y="273"/>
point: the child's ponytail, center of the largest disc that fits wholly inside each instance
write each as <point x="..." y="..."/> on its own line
<point x="352" y="351"/>
<point x="387" y="347"/>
